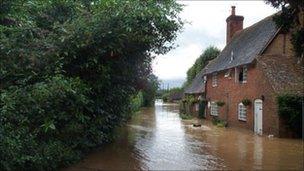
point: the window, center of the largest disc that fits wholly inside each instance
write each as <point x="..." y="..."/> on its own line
<point x="214" y="80"/>
<point x="205" y="79"/>
<point x="242" y="112"/>
<point x="214" y="109"/>
<point x="228" y="73"/>
<point x="243" y="74"/>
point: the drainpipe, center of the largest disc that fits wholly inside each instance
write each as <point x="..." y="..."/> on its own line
<point x="227" y="108"/>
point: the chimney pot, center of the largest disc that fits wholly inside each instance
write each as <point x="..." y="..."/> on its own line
<point x="232" y="10"/>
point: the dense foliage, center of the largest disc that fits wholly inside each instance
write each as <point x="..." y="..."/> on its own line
<point x="210" y="53"/>
<point x="168" y="95"/>
<point x="149" y="91"/>
<point x="70" y="71"/>
<point x="290" y="109"/>
<point x="291" y="18"/>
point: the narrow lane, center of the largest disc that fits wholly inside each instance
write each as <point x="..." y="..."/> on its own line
<point x="156" y="138"/>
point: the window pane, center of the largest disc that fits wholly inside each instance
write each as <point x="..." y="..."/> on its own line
<point x="242" y="112"/>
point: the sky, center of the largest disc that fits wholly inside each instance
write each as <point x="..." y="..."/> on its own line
<point x="206" y="25"/>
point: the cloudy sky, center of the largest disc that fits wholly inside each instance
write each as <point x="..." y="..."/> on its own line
<point x="207" y="27"/>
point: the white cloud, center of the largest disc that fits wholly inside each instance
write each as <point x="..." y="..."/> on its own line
<point x="208" y="27"/>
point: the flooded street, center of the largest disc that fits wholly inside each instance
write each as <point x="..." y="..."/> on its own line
<point x="156" y="138"/>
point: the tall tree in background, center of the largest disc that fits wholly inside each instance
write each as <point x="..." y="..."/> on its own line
<point x="291" y="19"/>
<point x="210" y="53"/>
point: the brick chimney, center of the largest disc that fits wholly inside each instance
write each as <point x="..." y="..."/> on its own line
<point x="234" y="24"/>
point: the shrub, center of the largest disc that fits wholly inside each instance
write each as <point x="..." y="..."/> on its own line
<point x="220" y="123"/>
<point x="220" y="103"/>
<point x="290" y="109"/>
<point x="69" y="70"/>
<point x="186" y="116"/>
<point x="246" y="102"/>
<point x="137" y="101"/>
<point x="45" y="125"/>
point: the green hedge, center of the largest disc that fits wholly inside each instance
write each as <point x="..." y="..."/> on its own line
<point x="290" y="109"/>
<point x="137" y="101"/>
<point x="45" y="124"/>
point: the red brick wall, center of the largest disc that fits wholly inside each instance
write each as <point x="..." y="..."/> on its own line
<point x="234" y="24"/>
<point x="232" y="93"/>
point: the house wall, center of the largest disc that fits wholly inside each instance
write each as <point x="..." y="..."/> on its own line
<point x="257" y="86"/>
<point x="280" y="45"/>
<point x="280" y="53"/>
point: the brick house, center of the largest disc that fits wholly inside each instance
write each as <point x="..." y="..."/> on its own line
<point x="256" y="65"/>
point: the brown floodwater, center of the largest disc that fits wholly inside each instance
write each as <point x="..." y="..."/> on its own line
<point x="157" y="139"/>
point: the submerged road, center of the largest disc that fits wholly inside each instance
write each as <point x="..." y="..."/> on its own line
<point x="157" y="139"/>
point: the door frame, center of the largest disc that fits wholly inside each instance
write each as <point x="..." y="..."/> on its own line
<point x="256" y="117"/>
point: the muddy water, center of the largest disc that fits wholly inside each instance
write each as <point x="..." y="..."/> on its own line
<point x="157" y="139"/>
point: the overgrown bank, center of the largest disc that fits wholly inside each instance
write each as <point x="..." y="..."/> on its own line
<point x="69" y="72"/>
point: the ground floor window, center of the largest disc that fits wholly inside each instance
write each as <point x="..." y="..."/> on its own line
<point x="242" y="112"/>
<point x="214" y="109"/>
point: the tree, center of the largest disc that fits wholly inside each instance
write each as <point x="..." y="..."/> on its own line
<point x="210" y="53"/>
<point x="69" y="70"/>
<point x="149" y="90"/>
<point x="291" y="18"/>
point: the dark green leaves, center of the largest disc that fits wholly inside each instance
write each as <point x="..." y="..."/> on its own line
<point x="69" y="70"/>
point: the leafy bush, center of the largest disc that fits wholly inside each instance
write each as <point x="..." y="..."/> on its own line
<point x="167" y="95"/>
<point x="190" y="99"/>
<point x="137" y="101"/>
<point x="246" y="102"/>
<point x="46" y="124"/>
<point x="220" y="103"/>
<point x="290" y="109"/>
<point x="69" y="70"/>
<point x="186" y="116"/>
<point x="220" y="123"/>
<point x="149" y="91"/>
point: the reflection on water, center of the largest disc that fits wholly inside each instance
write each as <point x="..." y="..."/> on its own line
<point x="157" y="138"/>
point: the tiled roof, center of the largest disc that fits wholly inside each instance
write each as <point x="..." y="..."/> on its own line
<point x="245" y="46"/>
<point x="197" y="85"/>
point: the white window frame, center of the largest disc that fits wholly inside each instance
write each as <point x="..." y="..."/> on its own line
<point x="242" y="112"/>
<point x="214" y="109"/>
<point x="214" y="80"/>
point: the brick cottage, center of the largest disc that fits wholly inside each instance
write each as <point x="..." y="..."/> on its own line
<point x="256" y="65"/>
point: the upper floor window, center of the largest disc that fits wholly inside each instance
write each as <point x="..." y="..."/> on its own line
<point x="242" y="112"/>
<point x="205" y="79"/>
<point x="214" y="79"/>
<point x="243" y="74"/>
<point x="214" y="109"/>
<point x="228" y="73"/>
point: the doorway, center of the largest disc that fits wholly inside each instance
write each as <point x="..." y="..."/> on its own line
<point x="258" y="116"/>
